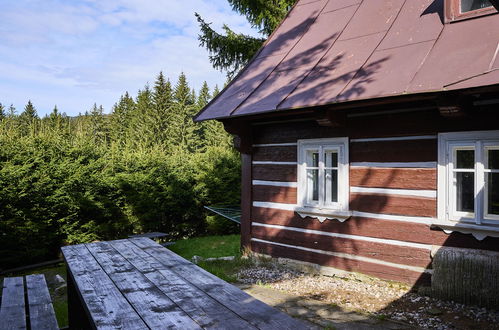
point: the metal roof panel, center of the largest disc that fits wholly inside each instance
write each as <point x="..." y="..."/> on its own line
<point x="333" y="72"/>
<point x="373" y="16"/>
<point x="388" y="72"/>
<point x="325" y="30"/>
<point x="463" y="50"/>
<point x="292" y="28"/>
<point x="418" y="21"/>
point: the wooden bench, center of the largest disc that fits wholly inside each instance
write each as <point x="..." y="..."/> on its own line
<point x="32" y="310"/>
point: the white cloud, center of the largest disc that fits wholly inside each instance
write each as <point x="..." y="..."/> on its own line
<point x="75" y="53"/>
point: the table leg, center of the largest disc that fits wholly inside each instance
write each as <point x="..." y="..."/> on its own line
<point x="77" y="315"/>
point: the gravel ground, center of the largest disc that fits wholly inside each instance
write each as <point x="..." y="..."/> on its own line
<point x="381" y="298"/>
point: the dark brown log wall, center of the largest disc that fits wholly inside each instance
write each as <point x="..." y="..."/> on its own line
<point x="422" y="150"/>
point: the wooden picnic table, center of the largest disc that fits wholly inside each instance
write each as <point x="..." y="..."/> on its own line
<point x="136" y="283"/>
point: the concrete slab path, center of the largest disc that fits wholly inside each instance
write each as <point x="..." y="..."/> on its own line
<point x="320" y="315"/>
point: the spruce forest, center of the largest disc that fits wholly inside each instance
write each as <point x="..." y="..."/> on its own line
<point x="145" y="166"/>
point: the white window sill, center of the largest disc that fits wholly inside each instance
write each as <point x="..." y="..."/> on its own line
<point x="323" y="214"/>
<point x="478" y="231"/>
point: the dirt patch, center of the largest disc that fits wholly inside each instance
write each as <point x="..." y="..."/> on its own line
<point x="383" y="299"/>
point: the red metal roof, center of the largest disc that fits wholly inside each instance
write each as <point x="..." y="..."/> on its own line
<point x="331" y="51"/>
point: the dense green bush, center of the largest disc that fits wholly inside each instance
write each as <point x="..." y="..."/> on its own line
<point x="93" y="177"/>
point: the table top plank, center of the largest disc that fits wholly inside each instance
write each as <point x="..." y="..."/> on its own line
<point x="156" y="309"/>
<point x="254" y="311"/>
<point x="205" y="310"/>
<point x="12" y="310"/>
<point x="104" y="302"/>
<point x="41" y="312"/>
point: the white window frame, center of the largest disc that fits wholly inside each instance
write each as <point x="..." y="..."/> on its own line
<point x="477" y="223"/>
<point x="321" y="209"/>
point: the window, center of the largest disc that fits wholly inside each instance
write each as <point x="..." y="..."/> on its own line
<point x="323" y="177"/>
<point x="462" y="9"/>
<point x="470" y="5"/>
<point x="468" y="174"/>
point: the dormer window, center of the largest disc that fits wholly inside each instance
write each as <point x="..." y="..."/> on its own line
<point x="462" y="9"/>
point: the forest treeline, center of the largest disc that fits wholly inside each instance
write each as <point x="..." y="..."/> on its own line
<point x="144" y="167"/>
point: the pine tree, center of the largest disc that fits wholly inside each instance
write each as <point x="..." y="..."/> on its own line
<point x="182" y="91"/>
<point x="2" y="111"/>
<point x="182" y="128"/>
<point x="55" y="119"/>
<point x="231" y="51"/>
<point x="159" y="115"/>
<point x="29" y="113"/>
<point x="97" y="123"/>
<point x="28" y="119"/>
<point x="204" y="95"/>
<point x="120" y="119"/>
<point x="12" y="112"/>
<point x="141" y="130"/>
<point x="216" y="91"/>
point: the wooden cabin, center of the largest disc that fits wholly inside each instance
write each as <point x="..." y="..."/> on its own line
<point x="369" y="135"/>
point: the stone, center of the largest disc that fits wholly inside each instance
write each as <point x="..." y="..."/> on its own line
<point x="434" y="311"/>
<point x="59" y="279"/>
<point x="196" y="259"/>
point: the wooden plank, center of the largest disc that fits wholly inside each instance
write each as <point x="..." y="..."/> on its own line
<point x="393" y="204"/>
<point x="154" y="307"/>
<point x="403" y="255"/>
<point x="104" y="303"/>
<point x="377" y="270"/>
<point x="394" y="151"/>
<point x="460" y="240"/>
<point x="403" y="231"/>
<point x="41" y="311"/>
<point x="395" y="178"/>
<point x="206" y="311"/>
<point x="278" y="153"/>
<point x="13" y="310"/>
<point x="275" y="194"/>
<point x="286" y="173"/>
<point x="386" y="125"/>
<point x="252" y="310"/>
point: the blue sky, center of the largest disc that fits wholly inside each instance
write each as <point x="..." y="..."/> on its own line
<point x="76" y="52"/>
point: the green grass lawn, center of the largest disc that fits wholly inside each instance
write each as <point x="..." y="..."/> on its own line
<point x="208" y="247"/>
<point x="214" y="247"/>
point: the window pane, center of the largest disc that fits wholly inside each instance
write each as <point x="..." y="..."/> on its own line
<point x="493" y="193"/>
<point x="465" y="192"/>
<point x="465" y="158"/>
<point x="331" y="186"/>
<point x="313" y="185"/>
<point x="469" y="5"/>
<point x="493" y="156"/>
<point x="331" y="159"/>
<point x="312" y="158"/>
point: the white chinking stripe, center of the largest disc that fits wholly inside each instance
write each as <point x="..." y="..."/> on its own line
<point x="397" y="138"/>
<point x="275" y="183"/>
<point x="401" y="192"/>
<point x="278" y="206"/>
<point x="402" y="218"/>
<point x="264" y="162"/>
<point x="348" y="256"/>
<point x="352" y="237"/>
<point x="275" y="144"/>
<point x="395" y="165"/>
